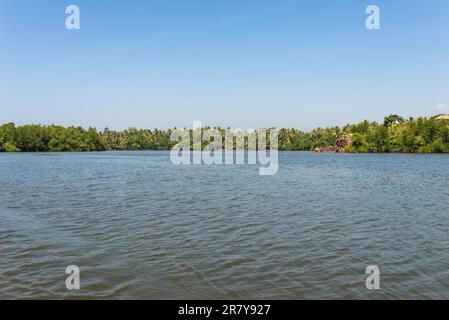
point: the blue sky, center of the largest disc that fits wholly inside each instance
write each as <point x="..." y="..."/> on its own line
<point x="238" y="63"/>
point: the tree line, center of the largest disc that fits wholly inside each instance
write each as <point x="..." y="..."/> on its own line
<point x="395" y="134"/>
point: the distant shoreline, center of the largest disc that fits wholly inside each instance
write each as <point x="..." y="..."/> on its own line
<point x="55" y="153"/>
<point x="395" y="135"/>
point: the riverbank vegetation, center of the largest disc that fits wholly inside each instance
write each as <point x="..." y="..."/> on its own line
<point x="395" y="134"/>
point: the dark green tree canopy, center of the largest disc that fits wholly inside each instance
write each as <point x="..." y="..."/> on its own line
<point x="395" y="134"/>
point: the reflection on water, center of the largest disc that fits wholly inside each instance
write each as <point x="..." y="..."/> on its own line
<point x="140" y="227"/>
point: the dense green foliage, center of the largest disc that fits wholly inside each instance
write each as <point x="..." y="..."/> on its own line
<point x="134" y="139"/>
<point x="30" y="138"/>
<point x="296" y="140"/>
<point x="395" y="134"/>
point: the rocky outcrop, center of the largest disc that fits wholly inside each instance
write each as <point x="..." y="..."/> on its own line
<point x="343" y="141"/>
<point x="340" y="145"/>
<point x="329" y="149"/>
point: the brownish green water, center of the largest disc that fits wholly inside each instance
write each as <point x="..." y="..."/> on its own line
<point x="139" y="227"/>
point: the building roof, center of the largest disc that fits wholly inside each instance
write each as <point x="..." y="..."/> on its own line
<point x="441" y="117"/>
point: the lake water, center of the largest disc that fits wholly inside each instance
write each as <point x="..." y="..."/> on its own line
<point x="141" y="228"/>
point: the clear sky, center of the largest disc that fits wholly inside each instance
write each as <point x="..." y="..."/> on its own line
<point x="238" y="63"/>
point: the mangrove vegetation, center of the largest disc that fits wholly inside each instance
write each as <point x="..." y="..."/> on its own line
<point x="394" y="134"/>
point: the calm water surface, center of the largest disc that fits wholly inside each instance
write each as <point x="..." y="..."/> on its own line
<point x="140" y="227"/>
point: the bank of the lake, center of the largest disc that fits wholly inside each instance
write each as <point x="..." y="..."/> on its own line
<point x="395" y="134"/>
